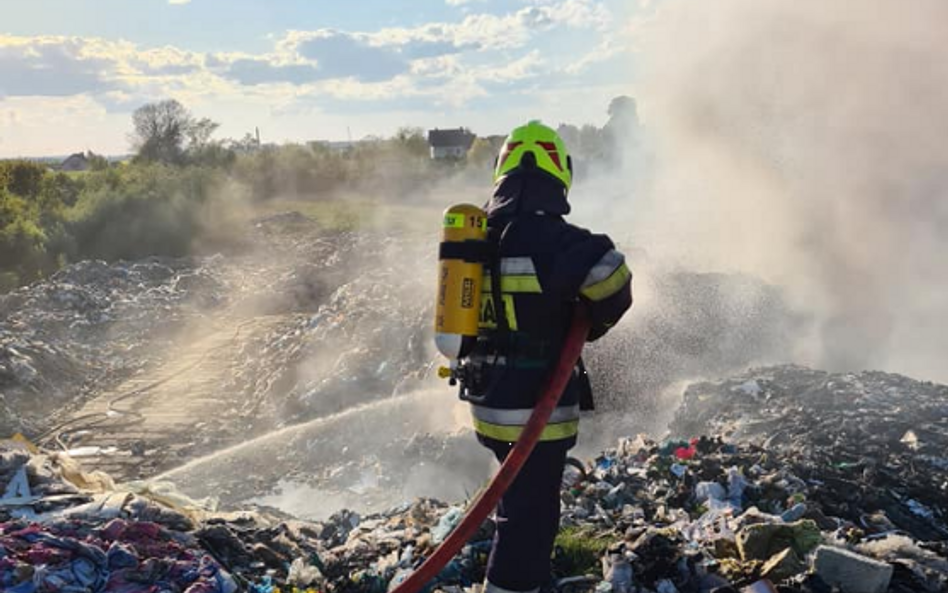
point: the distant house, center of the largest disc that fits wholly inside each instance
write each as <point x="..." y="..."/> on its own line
<point x="450" y="144"/>
<point x="76" y="162"/>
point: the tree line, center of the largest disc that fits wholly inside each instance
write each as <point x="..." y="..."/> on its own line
<point x="166" y="200"/>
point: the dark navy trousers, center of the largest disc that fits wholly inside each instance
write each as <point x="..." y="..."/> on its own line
<point x="528" y="518"/>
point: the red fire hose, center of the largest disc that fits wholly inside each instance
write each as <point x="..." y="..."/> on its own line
<point x="508" y="471"/>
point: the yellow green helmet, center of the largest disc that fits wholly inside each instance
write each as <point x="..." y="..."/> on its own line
<point x="546" y="147"/>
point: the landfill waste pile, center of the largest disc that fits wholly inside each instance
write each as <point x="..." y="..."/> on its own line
<point x="281" y="334"/>
<point x="64" y="530"/>
<point x="706" y="514"/>
<point x="365" y="337"/>
<point x="700" y="514"/>
<point x="93" y="318"/>
<point x="881" y="440"/>
<point x="90" y="325"/>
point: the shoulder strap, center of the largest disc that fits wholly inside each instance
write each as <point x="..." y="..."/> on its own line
<point x="503" y="327"/>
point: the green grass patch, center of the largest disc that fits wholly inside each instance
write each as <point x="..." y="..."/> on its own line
<point x="581" y="550"/>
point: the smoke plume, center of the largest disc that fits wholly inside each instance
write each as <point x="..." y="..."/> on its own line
<point x="806" y="143"/>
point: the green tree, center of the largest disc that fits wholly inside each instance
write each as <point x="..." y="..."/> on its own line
<point x="199" y="132"/>
<point x="97" y="162"/>
<point x="413" y="141"/>
<point x="58" y="191"/>
<point x="590" y="142"/>
<point x="165" y="132"/>
<point x="160" y="131"/>
<point x="12" y="208"/>
<point x="22" y="241"/>
<point x="248" y="143"/>
<point x="213" y="154"/>
<point x="482" y="153"/>
<point x="22" y="178"/>
<point x="154" y="210"/>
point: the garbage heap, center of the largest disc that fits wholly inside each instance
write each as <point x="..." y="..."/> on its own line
<point x="875" y="440"/>
<point x="705" y="514"/>
<point x="346" y="309"/>
<point x="90" y="324"/>
<point x="361" y="330"/>
<point x="691" y="515"/>
<point x="64" y="529"/>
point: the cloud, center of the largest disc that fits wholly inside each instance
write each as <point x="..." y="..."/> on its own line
<point x="58" y="66"/>
<point x="258" y="71"/>
<point x="303" y="58"/>
<point x="478" y="58"/>
<point x="487" y="31"/>
<point x="355" y="106"/>
<point x="605" y="51"/>
<point x="165" y="61"/>
<point x="50" y="67"/>
<point x="432" y="49"/>
<point x="532" y="65"/>
<point x="344" y="55"/>
<point x="577" y="14"/>
<point x="75" y="123"/>
<point x="179" y="2"/>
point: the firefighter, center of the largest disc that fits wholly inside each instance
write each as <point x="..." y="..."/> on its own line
<point x="542" y="268"/>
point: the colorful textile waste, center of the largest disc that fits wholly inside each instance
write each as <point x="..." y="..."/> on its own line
<point x="117" y="557"/>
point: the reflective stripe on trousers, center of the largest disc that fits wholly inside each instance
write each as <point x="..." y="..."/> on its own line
<point x="507" y="425"/>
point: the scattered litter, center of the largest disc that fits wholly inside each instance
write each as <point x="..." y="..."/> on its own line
<point x="851" y="572"/>
<point x="91" y="451"/>
<point x="732" y="514"/>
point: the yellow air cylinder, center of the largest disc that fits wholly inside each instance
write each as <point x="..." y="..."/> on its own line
<point x="460" y="275"/>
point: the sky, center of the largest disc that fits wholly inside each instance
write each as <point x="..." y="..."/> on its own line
<point x="73" y="71"/>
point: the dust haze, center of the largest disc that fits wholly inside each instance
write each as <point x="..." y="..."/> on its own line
<point x="804" y="143"/>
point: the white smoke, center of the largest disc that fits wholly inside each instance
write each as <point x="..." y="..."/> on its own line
<point x="807" y="143"/>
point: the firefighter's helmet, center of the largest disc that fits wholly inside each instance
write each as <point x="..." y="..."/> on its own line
<point x="535" y="145"/>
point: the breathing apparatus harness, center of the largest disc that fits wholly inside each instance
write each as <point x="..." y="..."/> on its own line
<point x="489" y="349"/>
<point x="467" y="370"/>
